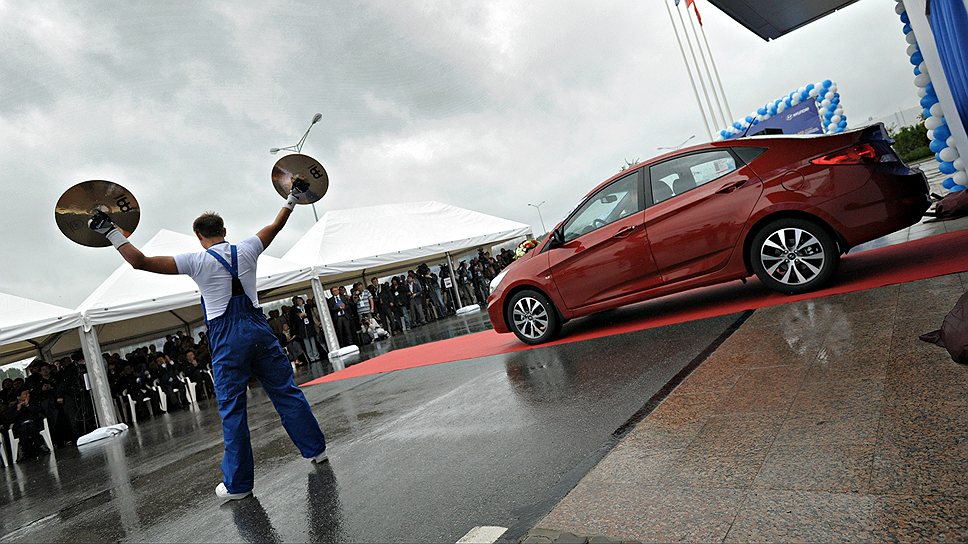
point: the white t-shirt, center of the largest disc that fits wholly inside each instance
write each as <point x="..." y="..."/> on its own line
<point x="214" y="280"/>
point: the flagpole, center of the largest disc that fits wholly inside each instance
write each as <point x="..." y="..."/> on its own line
<point x="719" y="106"/>
<point x="716" y="71"/>
<point x="702" y="83"/>
<point x="692" y="81"/>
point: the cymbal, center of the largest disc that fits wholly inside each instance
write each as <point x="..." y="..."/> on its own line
<point x="78" y="203"/>
<point x="302" y="167"/>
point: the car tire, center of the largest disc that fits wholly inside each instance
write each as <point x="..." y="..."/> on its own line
<point x="794" y="256"/>
<point x="532" y="317"/>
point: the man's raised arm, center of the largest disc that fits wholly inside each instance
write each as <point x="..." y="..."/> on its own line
<point x="269" y="232"/>
<point x="102" y="224"/>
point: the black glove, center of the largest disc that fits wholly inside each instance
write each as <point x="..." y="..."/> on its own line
<point x="101" y="223"/>
<point x="299" y="188"/>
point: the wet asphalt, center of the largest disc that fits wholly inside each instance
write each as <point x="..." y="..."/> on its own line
<point x="420" y="455"/>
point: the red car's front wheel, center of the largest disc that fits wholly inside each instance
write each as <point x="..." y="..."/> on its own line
<point x="794" y="256"/>
<point x="532" y="317"/>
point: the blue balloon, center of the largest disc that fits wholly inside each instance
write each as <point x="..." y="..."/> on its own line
<point x="842" y="124"/>
<point x="930" y="89"/>
<point x="737" y="125"/>
<point x="917" y="70"/>
<point x="804" y="96"/>
<point x="942" y="133"/>
<point x="916" y="58"/>
<point x="925" y="113"/>
<point x="946" y="167"/>
<point x="788" y="103"/>
<point x="937" y="145"/>
<point x="809" y="87"/>
<point x="928" y="101"/>
<point x="904" y="18"/>
<point x="724" y="134"/>
<point x="827" y="83"/>
<point x="948" y="183"/>
<point x="761" y="111"/>
<point x="957" y="188"/>
<point x="906" y="29"/>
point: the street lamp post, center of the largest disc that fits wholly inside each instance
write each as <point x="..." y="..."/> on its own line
<point x="538" y="207"/>
<point x="298" y="149"/>
<point x="678" y="146"/>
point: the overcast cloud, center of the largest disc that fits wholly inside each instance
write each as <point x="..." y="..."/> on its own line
<point x="485" y="105"/>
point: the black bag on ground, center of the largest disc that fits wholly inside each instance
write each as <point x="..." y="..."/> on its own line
<point x="953" y="334"/>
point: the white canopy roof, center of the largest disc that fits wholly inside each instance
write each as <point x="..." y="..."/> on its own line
<point x="130" y="293"/>
<point x="23" y="319"/>
<point x="394" y="236"/>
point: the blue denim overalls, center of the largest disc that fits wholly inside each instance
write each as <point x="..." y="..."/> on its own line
<point x="243" y="344"/>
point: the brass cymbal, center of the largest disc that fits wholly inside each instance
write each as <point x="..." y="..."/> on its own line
<point x="78" y="203"/>
<point x="303" y="167"/>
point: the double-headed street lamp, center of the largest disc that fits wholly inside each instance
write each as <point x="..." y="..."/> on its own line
<point x="298" y="149"/>
<point x="538" y="207"/>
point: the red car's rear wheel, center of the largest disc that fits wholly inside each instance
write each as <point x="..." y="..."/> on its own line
<point x="794" y="255"/>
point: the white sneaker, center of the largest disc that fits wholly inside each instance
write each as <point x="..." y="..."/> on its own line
<point x="321" y="458"/>
<point x="223" y="493"/>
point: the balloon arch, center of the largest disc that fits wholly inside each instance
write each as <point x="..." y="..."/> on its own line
<point x="942" y="144"/>
<point x="823" y="92"/>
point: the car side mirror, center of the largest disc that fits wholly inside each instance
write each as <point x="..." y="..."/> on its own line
<point x="557" y="238"/>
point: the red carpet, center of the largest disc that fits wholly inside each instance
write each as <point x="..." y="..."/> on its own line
<point x="900" y="263"/>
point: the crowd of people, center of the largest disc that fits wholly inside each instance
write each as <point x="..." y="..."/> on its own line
<point x="361" y="315"/>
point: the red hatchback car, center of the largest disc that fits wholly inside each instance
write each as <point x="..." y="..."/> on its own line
<point x="784" y="208"/>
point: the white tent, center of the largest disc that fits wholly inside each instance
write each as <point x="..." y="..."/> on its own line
<point x="25" y="325"/>
<point x="395" y="236"/>
<point x="370" y="241"/>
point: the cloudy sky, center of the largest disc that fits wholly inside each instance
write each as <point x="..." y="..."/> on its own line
<point x="487" y="105"/>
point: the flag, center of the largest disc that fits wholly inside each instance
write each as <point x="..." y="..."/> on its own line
<point x="694" y="7"/>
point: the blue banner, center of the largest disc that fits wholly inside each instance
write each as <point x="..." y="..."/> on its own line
<point x="800" y="119"/>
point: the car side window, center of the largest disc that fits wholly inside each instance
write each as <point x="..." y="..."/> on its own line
<point x="676" y="176"/>
<point x="619" y="199"/>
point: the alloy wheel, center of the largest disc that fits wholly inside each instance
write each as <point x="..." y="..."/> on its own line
<point x="530" y="317"/>
<point x="792" y="256"/>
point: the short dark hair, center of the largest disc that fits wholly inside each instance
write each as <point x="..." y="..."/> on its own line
<point x="209" y="225"/>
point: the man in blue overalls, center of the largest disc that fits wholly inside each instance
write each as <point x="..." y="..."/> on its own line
<point x="241" y="340"/>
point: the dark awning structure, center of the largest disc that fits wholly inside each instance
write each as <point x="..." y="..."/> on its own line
<point x="770" y="19"/>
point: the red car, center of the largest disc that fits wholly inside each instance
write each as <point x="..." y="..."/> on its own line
<point x="782" y="207"/>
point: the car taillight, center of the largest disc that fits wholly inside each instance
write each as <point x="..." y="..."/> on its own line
<point x="855" y="154"/>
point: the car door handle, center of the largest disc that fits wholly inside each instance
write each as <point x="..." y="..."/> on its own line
<point x="623" y="232"/>
<point x="732" y="186"/>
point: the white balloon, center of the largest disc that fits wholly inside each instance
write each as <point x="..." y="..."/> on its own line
<point x="825" y="104"/>
<point x="922" y="91"/>
<point x="951" y="142"/>
<point x="829" y="95"/>
<point x="814" y="92"/>
<point x="912" y="49"/>
<point x="961" y="178"/>
<point x="949" y="154"/>
<point x="835" y="119"/>
<point x="800" y="90"/>
<point x="781" y="107"/>
<point x="839" y="111"/>
<point x="831" y="127"/>
<point x="960" y="165"/>
<point x="923" y="67"/>
<point x="936" y="110"/>
<point x="933" y="122"/>
<point x="909" y="38"/>
<point x="922" y="80"/>
<point x="899" y="8"/>
<point x="833" y="88"/>
<point x="930" y="135"/>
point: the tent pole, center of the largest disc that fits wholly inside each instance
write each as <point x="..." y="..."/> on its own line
<point x="453" y="282"/>
<point x="100" y="388"/>
<point x="329" y="331"/>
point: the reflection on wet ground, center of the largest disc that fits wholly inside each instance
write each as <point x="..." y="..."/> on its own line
<point x="418" y="455"/>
